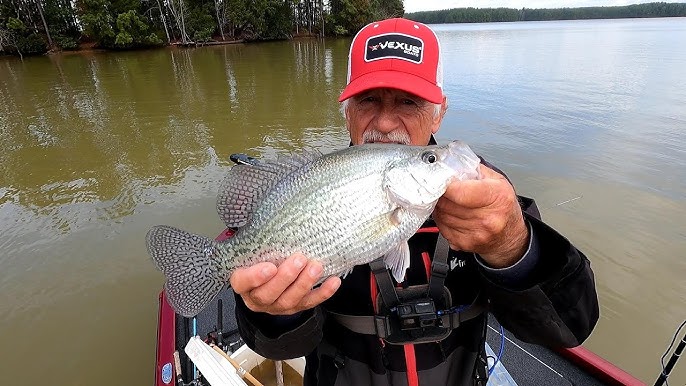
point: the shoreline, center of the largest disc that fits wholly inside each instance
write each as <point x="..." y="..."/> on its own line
<point x="90" y="48"/>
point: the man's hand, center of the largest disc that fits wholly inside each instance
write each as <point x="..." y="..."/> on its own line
<point x="284" y="290"/>
<point x="484" y="216"/>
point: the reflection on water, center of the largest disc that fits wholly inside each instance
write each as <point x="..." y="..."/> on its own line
<point x="96" y="148"/>
<point x="90" y="126"/>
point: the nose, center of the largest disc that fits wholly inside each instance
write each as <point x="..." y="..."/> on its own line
<point x="387" y="119"/>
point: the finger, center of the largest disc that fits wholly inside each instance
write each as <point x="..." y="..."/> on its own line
<point x="445" y="208"/>
<point x="472" y="193"/>
<point x="321" y="293"/>
<point x="479" y="193"/>
<point x="449" y="221"/>
<point x="287" y="273"/>
<point x="294" y="294"/>
<point x="244" y="280"/>
<point x="463" y="240"/>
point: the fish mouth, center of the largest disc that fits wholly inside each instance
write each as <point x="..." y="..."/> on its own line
<point x="462" y="160"/>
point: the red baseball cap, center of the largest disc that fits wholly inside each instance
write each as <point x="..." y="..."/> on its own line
<point x="395" y="53"/>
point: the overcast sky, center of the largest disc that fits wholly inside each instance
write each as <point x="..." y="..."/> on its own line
<point x="430" y="5"/>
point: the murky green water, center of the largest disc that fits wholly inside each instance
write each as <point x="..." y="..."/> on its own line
<point x="95" y="148"/>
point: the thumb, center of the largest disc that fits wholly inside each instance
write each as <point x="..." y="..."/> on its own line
<point x="488" y="173"/>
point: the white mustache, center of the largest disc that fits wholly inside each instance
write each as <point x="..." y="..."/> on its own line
<point x="395" y="136"/>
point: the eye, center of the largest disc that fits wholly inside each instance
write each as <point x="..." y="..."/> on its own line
<point x="367" y="98"/>
<point x="409" y="102"/>
<point x="429" y="157"/>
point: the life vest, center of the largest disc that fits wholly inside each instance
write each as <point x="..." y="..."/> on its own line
<point x="416" y="314"/>
<point x="407" y="316"/>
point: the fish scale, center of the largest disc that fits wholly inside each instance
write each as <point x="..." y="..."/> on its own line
<point x="342" y="209"/>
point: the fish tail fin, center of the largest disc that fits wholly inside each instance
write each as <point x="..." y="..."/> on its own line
<point x="192" y="265"/>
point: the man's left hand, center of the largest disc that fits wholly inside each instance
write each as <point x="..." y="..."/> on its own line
<point x="484" y="216"/>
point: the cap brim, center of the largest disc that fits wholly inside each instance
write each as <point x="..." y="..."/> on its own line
<point x="396" y="80"/>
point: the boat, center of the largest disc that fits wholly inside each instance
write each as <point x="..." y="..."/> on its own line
<point x="518" y="363"/>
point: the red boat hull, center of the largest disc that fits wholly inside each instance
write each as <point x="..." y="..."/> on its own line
<point x="166" y="344"/>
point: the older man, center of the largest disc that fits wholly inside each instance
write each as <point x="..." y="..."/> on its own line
<point x="493" y="253"/>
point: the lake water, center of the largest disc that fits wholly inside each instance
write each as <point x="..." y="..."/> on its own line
<point x="588" y="117"/>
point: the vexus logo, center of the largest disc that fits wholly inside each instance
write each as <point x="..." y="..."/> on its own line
<point x="396" y="46"/>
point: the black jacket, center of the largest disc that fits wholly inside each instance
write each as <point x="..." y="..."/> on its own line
<point x="556" y="306"/>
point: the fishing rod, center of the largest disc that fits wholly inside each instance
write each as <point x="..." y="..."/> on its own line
<point x="662" y="379"/>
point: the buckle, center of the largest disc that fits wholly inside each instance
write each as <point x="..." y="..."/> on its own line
<point x="339" y="361"/>
<point x="439" y="269"/>
<point x="381" y="324"/>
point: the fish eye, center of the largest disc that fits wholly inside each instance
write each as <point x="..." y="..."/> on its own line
<point x="429" y="157"/>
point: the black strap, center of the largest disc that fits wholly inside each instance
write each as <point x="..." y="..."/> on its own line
<point x="327" y="349"/>
<point x="439" y="268"/>
<point x="384" y="282"/>
<point x="379" y="325"/>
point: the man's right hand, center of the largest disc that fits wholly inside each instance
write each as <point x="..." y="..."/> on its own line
<point x="285" y="290"/>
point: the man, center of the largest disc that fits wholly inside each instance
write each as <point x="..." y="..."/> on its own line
<point x="534" y="281"/>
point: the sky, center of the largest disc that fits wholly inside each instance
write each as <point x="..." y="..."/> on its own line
<point x="430" y="5"/>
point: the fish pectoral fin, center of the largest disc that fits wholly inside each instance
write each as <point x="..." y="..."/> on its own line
<point x="398" y="260"/>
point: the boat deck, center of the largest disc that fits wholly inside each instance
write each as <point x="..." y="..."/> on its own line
<point x="534" y="365"/>
<point x="521" y="363"/>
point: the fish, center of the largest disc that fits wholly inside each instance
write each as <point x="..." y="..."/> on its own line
<point x="345" y="208"/>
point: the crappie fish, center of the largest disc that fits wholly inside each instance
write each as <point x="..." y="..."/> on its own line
<point x="343" y="209"/>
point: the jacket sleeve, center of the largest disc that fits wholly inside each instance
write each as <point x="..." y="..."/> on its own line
<point x="558" y="306"/>
<point x="277" y="337"/>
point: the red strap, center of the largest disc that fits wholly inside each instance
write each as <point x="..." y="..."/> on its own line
<point x="373" y="291"/>
<point x="410" y="358"/>
<point x="427" y="265"/>
<point x="411" y="363"/>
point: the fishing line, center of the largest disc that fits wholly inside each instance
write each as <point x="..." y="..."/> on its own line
<point x="528" y="353"/>
<point x="570" y="200"/>
<point x="563" y="202"/>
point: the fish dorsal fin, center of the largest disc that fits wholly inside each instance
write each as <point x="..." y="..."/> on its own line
<point x="245" y="185"/>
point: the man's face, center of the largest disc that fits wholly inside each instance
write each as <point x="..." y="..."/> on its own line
<point x="389" y="115"/>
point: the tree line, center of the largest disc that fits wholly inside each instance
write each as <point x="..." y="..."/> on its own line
<point x="30" y="27"/>
<point x="487" y="15"/>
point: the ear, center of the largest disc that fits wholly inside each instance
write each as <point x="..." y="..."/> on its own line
<point x="438" y="119"/>
<point x="346" y="116"/>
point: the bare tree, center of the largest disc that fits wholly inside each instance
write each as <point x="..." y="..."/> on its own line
<point x="8" y="38"/>
<point x="220" y="8"/>
<point x="164" y="20"/>
<point x="177" y="9"/>
<point x="39" y="6"/>
<point x="3" y="38"/>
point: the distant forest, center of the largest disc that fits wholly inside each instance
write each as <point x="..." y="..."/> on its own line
<point x="31" y="27"/>
<point x="487" y="15"/>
